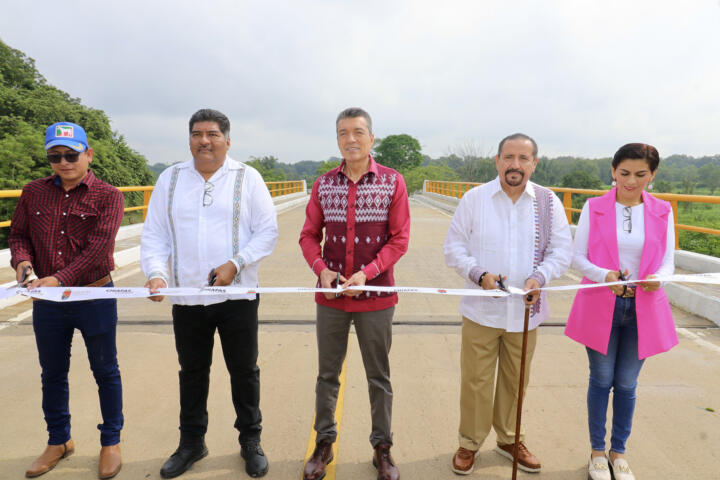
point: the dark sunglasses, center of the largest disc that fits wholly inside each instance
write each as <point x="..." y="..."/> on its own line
<point x="57" y="157"/>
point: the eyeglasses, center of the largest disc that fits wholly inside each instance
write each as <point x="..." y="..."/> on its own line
<point x="57" y="157"/>
<point x="207" y="198"/>
<point x="627" y="219"/>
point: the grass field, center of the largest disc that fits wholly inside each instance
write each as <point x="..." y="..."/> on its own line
<point x="700" y="215"/>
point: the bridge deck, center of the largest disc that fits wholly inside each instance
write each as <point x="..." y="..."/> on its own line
<point x="674" y="435"/>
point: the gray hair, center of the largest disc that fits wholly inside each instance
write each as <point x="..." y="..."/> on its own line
<point x="354" y="112"/>
<point x="210" y="115"/>
<point x="518" y="136"/>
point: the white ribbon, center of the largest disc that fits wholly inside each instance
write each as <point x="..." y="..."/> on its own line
<point x="74" y="294"/>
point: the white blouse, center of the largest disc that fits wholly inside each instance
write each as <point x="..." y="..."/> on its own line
<point x="630" y="244"/>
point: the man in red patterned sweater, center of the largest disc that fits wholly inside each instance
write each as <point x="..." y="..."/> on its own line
<point x="64" y="228"/>
<point x="364" y="210"/>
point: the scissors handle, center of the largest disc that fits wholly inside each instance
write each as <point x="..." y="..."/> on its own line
<point x="501" y="284"/>
<point x="337" y="284"/>
<point x="26" y="272"/>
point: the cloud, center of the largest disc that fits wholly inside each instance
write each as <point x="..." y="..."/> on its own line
<point x="582" y="77"/>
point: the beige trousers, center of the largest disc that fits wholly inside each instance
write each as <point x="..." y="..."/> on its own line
<point x="482" y="349"/>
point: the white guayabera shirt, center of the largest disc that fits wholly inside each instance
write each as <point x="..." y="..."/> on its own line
<point x="193" y="226"/>
<point x="489" y="231"/>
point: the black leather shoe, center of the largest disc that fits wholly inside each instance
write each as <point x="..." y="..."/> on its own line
<point x="183" y="458"/>
<point x="256" y="464"/>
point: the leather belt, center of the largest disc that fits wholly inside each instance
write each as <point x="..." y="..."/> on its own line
<point x="101" y="282"/>
<point x="628" y="292"/>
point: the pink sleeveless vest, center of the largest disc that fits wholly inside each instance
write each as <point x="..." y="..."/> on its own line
<point x="591" y="315"/>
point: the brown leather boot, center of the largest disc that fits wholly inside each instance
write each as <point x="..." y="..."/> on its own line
<point x="384" y="463"/>
<point x="50" y="457"/>
<point x="316" y="465"/>
<point x="110" y="461"/>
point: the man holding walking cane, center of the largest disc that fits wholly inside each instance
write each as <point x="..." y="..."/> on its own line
<point x="511" y="232"/>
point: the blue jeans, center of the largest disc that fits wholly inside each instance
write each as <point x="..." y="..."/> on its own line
<point x="54" y="324"/>
<point x="618" y="369"/>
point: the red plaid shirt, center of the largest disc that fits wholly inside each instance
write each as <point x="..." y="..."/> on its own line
<point x="67" y="235"/>
<point x="367" y="227"/>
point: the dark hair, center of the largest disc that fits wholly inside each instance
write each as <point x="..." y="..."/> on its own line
<point x="210" y="115"/>
<point x="354" y="112"/>
<point x="637" y="151"/>
<point x="518" y="136"/>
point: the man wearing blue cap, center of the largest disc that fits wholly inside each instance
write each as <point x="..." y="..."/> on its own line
<point x="64" y="229"/>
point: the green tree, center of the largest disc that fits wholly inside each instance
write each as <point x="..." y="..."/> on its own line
<point x="662" y="186"/>
<point x="401" y="152"/>
<point x="710" y="175"/>
<point x="326" y="166"/>
<point x="268" y="168"/>
<point x="28" y="104"/>
<point x="581" y="179"/>
<point x="415" y="177"/>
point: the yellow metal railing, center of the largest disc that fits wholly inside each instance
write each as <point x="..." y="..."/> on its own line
<point x="285" y="188"/>
<point x="457" y="189"/>
<point x="276" y="189"/>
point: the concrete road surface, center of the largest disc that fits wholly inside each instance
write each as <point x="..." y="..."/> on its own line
<point x="675" y="434"/>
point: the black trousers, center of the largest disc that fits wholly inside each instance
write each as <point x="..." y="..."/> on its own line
<point x="236" y="322"/>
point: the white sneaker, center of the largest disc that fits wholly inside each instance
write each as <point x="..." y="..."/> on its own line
<point x="621" y="470"/>
<point x="598" y="468"/>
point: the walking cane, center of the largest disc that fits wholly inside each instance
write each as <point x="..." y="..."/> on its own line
<point x="520" y="389"/>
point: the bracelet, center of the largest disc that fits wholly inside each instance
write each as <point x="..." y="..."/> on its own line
<point x="480" y="279"/>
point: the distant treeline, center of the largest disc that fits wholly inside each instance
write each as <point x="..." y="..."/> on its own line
<point x="677" y="173"/>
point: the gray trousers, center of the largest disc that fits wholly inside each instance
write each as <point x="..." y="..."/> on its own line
<point x="374" y="332"/>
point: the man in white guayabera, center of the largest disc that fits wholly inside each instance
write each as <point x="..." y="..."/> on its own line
<point x="511" y="232"/>
<point x="210" y="221"/>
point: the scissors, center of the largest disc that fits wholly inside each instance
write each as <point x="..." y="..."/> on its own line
<point x="25" y="274"/>
<point x="626" y="287"/>
<point x="500" y="283"/>
<point x="337" y="284"/>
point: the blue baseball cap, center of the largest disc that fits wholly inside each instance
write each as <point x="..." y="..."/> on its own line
<point x="67" y="134"/>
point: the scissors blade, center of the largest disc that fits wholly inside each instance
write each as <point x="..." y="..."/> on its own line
<point x="25" y="275"/>
<point x="501" y="284"/>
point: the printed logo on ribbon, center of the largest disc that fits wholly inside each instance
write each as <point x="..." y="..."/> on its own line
<point x="64" y="131"/>
<point x="216" y="290"/>
<point x="66" y="294"/>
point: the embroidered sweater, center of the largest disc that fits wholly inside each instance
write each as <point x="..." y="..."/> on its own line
<point x="366" y="227"/>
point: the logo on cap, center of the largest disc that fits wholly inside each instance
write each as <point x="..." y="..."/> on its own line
<point x="64" y="131"/>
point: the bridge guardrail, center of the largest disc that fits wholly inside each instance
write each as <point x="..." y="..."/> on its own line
<point x="458" y="189"/>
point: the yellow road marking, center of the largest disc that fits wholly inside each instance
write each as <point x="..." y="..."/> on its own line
<point x="330" y="472"/>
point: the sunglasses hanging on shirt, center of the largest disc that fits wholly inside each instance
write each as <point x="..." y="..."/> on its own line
<point x="207" y="194"/>
<point x="627" y="219"/>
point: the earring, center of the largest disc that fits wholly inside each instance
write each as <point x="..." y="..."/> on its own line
<point x="613" y="183"/>
<point x="650" y="186"/>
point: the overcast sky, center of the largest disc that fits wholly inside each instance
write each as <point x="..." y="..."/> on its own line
<point x="582" y="77"/>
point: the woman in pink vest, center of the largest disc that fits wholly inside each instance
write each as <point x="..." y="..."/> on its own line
<point x="624" y="234"/>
